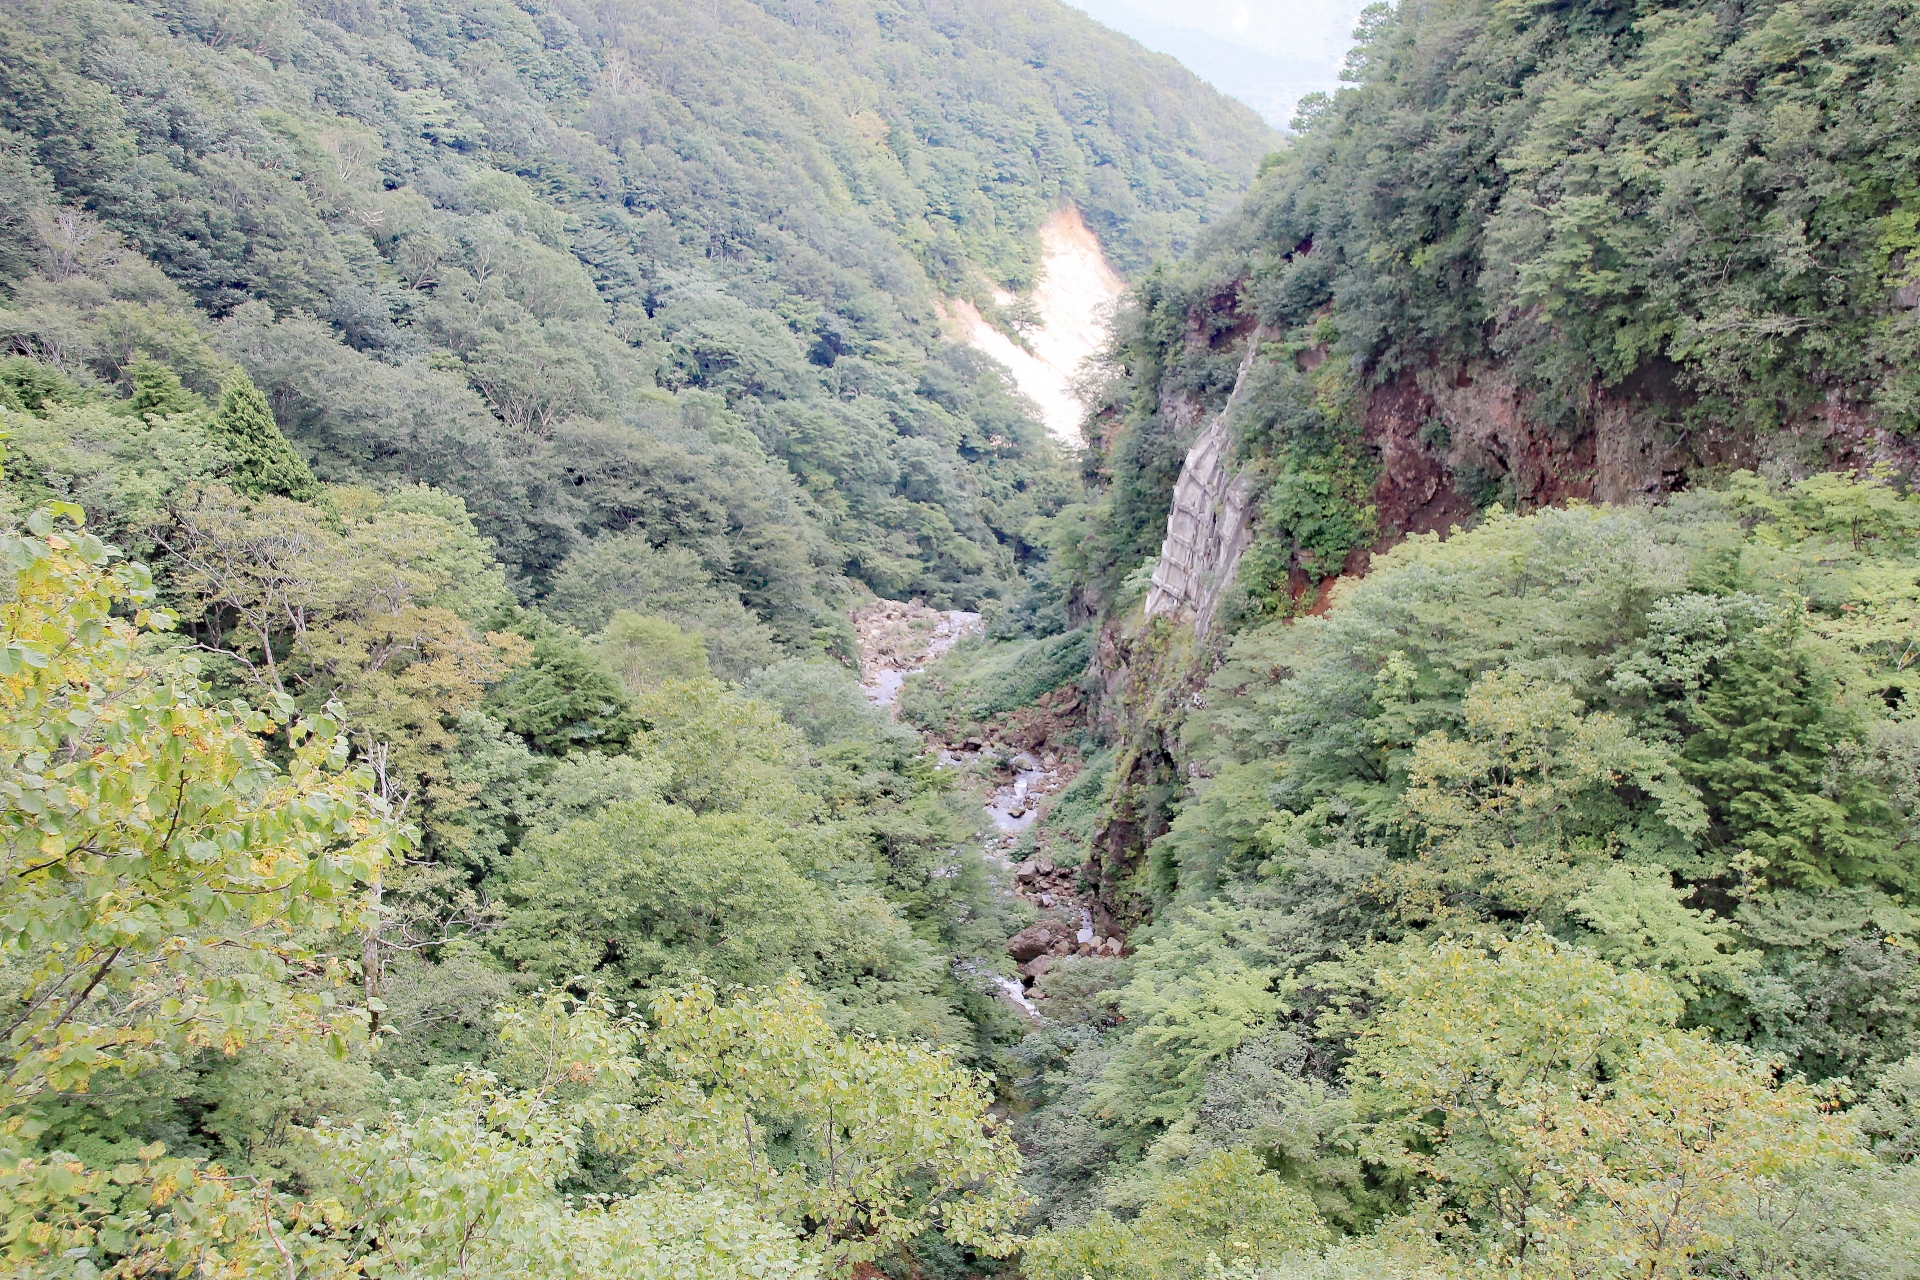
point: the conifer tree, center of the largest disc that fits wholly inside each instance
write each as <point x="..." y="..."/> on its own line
<point x="157" y="392"/>
<point x="263" y="460"/>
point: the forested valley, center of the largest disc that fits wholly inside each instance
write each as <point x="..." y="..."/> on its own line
<point x="556" y="720"/>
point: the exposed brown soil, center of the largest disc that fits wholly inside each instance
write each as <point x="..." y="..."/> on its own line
<point x="1415" y="492"/>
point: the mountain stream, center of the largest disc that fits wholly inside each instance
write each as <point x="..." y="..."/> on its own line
<point x="901" y="639"/>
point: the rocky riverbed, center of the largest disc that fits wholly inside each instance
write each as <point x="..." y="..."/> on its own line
<point x="899" y="639"/>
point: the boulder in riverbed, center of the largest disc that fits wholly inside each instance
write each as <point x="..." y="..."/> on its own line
<point x="1037" y="938"/>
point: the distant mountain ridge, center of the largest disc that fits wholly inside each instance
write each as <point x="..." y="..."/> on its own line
<point x="1270" y="83"/>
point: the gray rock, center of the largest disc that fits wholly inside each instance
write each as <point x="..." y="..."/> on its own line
<point x="1035" y="939"/>
<point x="1209" y="523"/>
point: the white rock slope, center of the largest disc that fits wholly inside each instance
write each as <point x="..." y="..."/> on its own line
<point x="1074" y="302"/>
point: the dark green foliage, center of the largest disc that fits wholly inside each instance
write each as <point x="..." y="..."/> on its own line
<point x="652" y="480"/>
<point x="442" y="1006"/>
<point x="652" y="288"/>
<point x="979" y="680"/>
<point x="157" y="392"/>
<point x="263" y="461"/>
<point x="1705" y="217"/>
<point x="647" y="892"/>
<point x="646" y="303"/>
<point x="1833" y="996"/>
<point x="1892" y="1119"/>
<point x="625" y="571"/>
<point x="823" y="701"/>
<point x="1592" y="191"/>
<point x="1677" y="736"/>
<point x="1762" y="736"/>
<point x="33" y="386"/>
<point x="1316" y="511"/>
<point x="22" y="189"/>
<point x="477" y="254"/>
<point x="1298" y="428"/>
<point x="565" y="698"/>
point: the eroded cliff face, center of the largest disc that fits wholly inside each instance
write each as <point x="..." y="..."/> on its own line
<point x="1447" y="440"/>
<point x="1445" y="443"/>
<point x="1209" y="523"/>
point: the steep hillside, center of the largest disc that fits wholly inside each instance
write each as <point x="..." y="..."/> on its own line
<point x="1064" y="323"/>
<point x="443" y="444"/>
<point x="1496" y="587"/>
<point x="1438" y="800"/>
<point x="577" y="264"/>
<point x="1542" y="254"/>
<point x="1529" y="258"/>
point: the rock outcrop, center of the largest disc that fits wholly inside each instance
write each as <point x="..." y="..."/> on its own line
<point x="1040" y="938"/>
<point x="1209" y="523"/>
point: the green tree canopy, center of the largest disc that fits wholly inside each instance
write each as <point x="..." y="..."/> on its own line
<point x="263" y="460"/>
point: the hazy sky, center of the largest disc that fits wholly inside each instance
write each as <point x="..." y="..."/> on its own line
<point x="1264" y="52"/>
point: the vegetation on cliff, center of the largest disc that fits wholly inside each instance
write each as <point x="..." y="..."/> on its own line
<point x="1560" y="868"/>
<point x="441" y="835"/>
<point x="1504" y="864"/>
<point x="656" y="269"/>
<point x="442" y="444"/>
<point x="1576" y="250"/>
